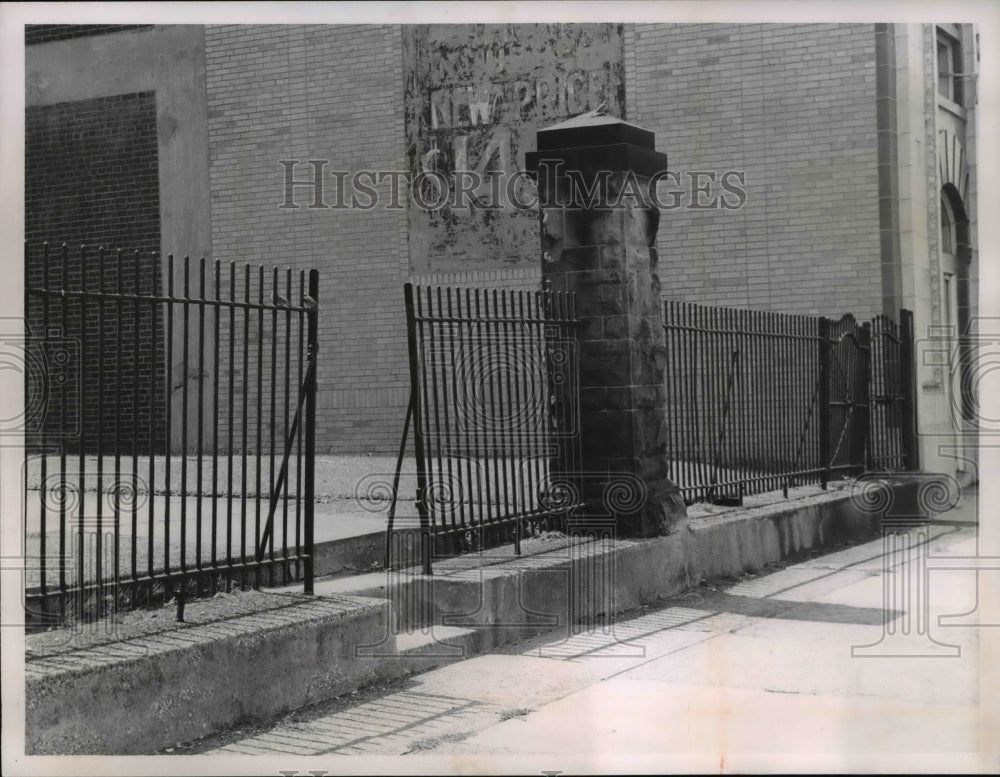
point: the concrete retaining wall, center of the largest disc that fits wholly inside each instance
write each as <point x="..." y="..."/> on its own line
<point x="143" y="694"/>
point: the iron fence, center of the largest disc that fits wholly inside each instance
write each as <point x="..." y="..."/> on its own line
<point x="170" y="425"/>
<point x="759" y="401"/>
<point x="493" y="398"/>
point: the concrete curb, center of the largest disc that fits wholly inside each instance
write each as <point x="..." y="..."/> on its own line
<point x="144" y="694"/>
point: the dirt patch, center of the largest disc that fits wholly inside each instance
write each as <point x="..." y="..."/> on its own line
<point x="140" y="623"/>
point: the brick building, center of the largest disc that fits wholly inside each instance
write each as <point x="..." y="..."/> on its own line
<point x="816" y="168"/>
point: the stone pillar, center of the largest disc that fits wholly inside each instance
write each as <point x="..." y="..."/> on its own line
<point x="598" y="236"/>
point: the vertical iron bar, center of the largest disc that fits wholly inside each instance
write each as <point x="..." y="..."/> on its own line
<point x="758" y="402"/>
<point x="546" y="430"/>
<point x="64" y="424"/>
<point x="908" y="390"/>
<point x="705" y="412"/>
<point x="418" y="429"/>
<point x="461" y="425"/>
<point x="390" y="522"/>
<point x="507" y="411"/>
<point x="775" y="402"/>
<point x="430" y="367"/>
<point x="684" y="399"/>
<point x="274" y="385"/>
<point x="797" y="395"/>
<point x="99" y="533"/>
<point x="184" y="411"/>
<point x="444" y="442"/>
<point x="216" y="311"/>
<point x="810" y="369"/>
<point x="750" y="390"/>
<point x="499" y="415"/>
<point x="230" y="425"/>
<point x="499" y="472"/>
<point x="298" y="451"/>
<point x="683" y="396"/>
<point x="878" y="413"/>
<point x="136" y="313"/>
<point x="862" y="396"/>
<point x="529" y="333"/>
<point x="310" y="430"/>
<point x="80" y="558"/>
<point x="669" y="408"/>
<point x="288" y="373"/>
<point x="245" y="424"/>
<point x="476" y="504"/>
<point x="154" y="310"/>
<point x="780" y="399"/>
<point x="718" y="373"/>
<point x="260" y="415"/>
<point x="118" y="415"/>
<point x="566" y="476"/>
<point x="421" y="349"/>
<point x="199" y="460"/>
<point x="713" y="411"/>
<point x="39" y="339"/>
<point x="200" y="416"/>
<point x="798" y="387"/>
<point x="26" y="387"/>
<point x="734" y="477"/>
<point x="823" y="408"/>
<point x="762" y="426"/>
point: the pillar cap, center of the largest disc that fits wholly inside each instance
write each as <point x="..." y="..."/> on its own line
<point x="596" y="128"/>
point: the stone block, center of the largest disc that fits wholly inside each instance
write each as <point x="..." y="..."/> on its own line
<point x="606" y="227"/>
<point x="608" y="434"/>
<point x="593" y="400"/>
<point x="613" y="256"/>
<point x="604" y="362"/>
<point x="640" y="225"/>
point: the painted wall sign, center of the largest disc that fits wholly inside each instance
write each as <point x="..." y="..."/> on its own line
<point x="476" y="94"/>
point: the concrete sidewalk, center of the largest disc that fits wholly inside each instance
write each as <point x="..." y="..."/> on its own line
<point x="807" y="667"/>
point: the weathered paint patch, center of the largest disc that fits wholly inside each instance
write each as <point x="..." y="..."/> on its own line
<point x="475" y="95"/>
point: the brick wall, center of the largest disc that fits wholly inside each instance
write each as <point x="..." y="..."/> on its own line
<point x="790" y="106"/>
<point x="319" y="92"/>
<point x="793" y="106"/>
<point x="91" y="177"/>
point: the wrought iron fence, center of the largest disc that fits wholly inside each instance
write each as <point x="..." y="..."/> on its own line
<point x="493" y="398"/>
<point x="170" y="424"/>
<point x="759" y="401"/>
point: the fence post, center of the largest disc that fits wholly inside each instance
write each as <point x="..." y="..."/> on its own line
<point x="823" y="404"/>
<point x="908" y="390"/>
<point x="600" y="243"/>
<point x="862" y="409"/>
<point x="309" y="485"/>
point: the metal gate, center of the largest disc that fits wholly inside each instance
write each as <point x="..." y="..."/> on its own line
<point x="845" y="349"/>
<point x="892" y="442"/>
<point x="170" y="429"/>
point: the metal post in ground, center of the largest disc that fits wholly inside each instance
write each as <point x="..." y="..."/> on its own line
<point x="823" y="408"/>
<point x="309" y="485"/>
